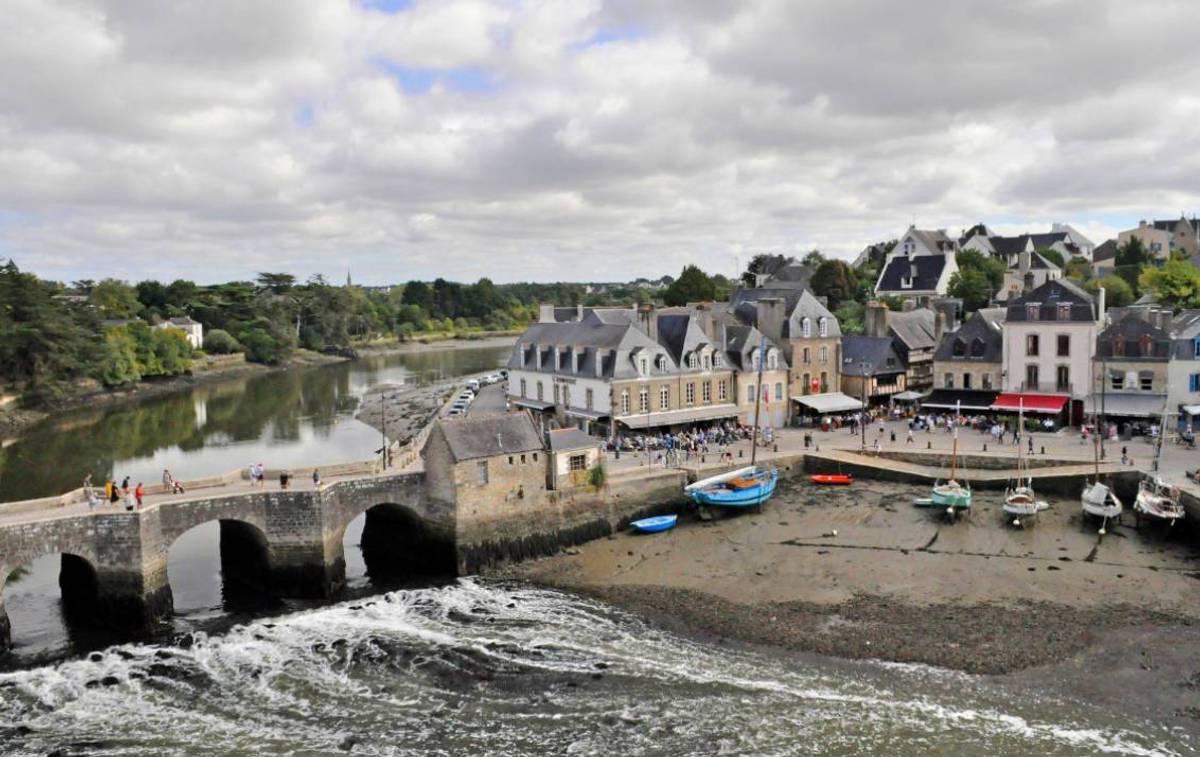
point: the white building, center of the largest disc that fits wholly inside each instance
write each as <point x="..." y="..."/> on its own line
<point x="191" y="329"/>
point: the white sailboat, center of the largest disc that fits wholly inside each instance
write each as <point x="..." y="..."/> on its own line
<point x="1098" y="499"/>
<point x="1156" y="498"/>
<point x="1019" y="499"/>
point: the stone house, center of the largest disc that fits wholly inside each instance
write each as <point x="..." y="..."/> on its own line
<point x="1032" y="270"/>
<point x="743" y="349"/>
<point x="806" y="330"/>
<point x="487" y="467"/>
<point x="572" y="456"/>
<point x="916" y="331"/>
<point x="1184" y="235"/>
<point x="1132" y="357"/>
<point x="192" y="330"/>
<point x="1104" y="259"/>
<point x="971" y="357"/>
<point x="872" y="368"/>
<point x="919" y="267"/>
<point x="1158" y="242"/>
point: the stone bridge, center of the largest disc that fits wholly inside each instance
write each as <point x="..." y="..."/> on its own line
<point x="285" y="542"/>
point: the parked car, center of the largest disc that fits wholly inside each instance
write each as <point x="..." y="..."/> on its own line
<point x="456" y="411"/>
<point x="492" y="378"/>
<point x="473" y="385"/>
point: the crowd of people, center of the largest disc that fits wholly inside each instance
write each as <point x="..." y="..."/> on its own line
<point x="681" y="446"/>
<point x="133" y="497"/>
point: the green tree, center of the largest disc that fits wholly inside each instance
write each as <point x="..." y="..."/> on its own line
<point x="260" y="346"/>
<point x="173" y="351"/>
<point x="972" y="286"/>
<point x="693" y="285"/>
<point x="813" y="259"/>
<point x="990" y="267"/>
<point x="1131" y="257"/>
<point x="43" y="341"/>
<point x="1116" y="291"/>
<point x="119" y="363"/>
<point x="115" y="299"/>
<point x="851" y="315"/>
<point x="1051" y="254"/>
<point x="1078" y="268"/>
<point x="1176" y="284"/>
<point x="275" y="283"/>
<point x="836" y="281"/>
<point x="220" y="342"/>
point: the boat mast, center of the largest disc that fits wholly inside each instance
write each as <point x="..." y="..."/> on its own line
<point x="1162" y="432"/>
<point x="1021" y="426"/>
<point x="762" y="358"/>
<point x="954" y="452"/>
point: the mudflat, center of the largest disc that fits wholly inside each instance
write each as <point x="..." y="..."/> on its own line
<point x="860" y="572"/>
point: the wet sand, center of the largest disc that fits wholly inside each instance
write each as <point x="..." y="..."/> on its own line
<point x="1074" y="613"/>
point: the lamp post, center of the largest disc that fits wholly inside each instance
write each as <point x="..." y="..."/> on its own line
<point x="862" y="416"/>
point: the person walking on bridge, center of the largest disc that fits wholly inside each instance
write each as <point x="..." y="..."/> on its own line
<point x="139" y="493"/>
<point x="316" y="478"/>
<point x="110" y="489"/>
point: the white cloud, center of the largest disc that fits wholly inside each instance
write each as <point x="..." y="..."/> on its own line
<point x="586" y="140"/>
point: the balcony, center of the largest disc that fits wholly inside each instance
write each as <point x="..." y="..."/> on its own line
<point x="1046" y="387"/>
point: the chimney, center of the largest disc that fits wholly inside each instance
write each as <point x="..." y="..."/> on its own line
<point x="939" y="326"/>
<point x="579" y="312"/>
<point x="648" y="321"/>
<point x="1024" y="261"/>
<point x="545" y="313"/>
<point x="704" y="317"/>
<point x="875" y="319"/>
<point x="948" y="307"/>
<point x="770" y="318"/>
<point x="1100" y="294"/>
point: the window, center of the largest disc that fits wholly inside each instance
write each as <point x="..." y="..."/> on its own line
<point x="1147" y="346"/>
<point x="1031" y="377"/>
<point x="1064" y="345"/>
<point x="778" y="391"/>
<point x="510" y="459"/>
<point x="1032" y="312"/>
<point x="643" y="367"/>
<point x="1064" y="311"/>
<point x="566" y="396"/>
<point x="1031" y="345"/>
<point x="806" y="356"/>
<point x="960" y="348"/>
<point x="906" y="282"/>
<point x="539" y="391"/>
<point x="589" y="399"/>
<point x="557" y="395"/>
<point x="664" y="398"/>
<point x="806" y="384"/>
<point x="535" y="457"/>
<point x="823" y="326"/>
<point x="690" y="391"/>
<point x="1118" y="347"/>
<point x="577" y="462"/>
<point x="985" y="380"/>
<point x="948" y="381"/>
<point x="754" y="360"/>
<point x="660" y="362"/>
<point x="522" y="459"/>
<point x="1117" y="379"/>
<point x="481" y="472"/>
<point x="772" y="360"/>
<point x="1196" y="347"/>
<point x="824" y="381"/>
<point x="824" y="354"/>
<point x="750" y="392"/>
<point x="706" y="392"/>
<point x="1194" y="382"/>
<point x="624" y="402"/>
<point x="1062" y="378"/>
<point x="523" y="387"/>
<point x="722" y="390"/>
<point x="806" y="327"/>
<point x="707" y="361"/>
<point x="966" y="381"/>
<point x="692" y="361"/>
<point x="644" y="400"/>
<point x="1146" y="381"/>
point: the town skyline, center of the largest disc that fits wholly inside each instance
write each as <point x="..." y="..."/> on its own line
<point x="468" y="138"/>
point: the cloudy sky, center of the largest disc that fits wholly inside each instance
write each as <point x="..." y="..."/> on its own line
<point x="581" y="139"/>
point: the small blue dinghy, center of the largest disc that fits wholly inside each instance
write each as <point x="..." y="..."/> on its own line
<point x="656" y="524"/>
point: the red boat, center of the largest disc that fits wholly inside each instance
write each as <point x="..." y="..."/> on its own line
<point x="831" y="479"/>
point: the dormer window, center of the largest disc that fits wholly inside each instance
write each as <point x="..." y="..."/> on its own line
<point x="977" y="347"/>
<point x="960" y="349"/>
<point x="1064" y="311"/>
<point x="660" y="363"/>
<point x="823" y="326"/>
<point x="906" y="282"/>
<point x="754" y="360"/>
<point x="1032" y="312"/>
<point x="692" y="361"/>
<point x="1196" y="347"/>
<point x="643" y="366"/>
<point x="806" y="328"/>
<point x="707" y="361"/>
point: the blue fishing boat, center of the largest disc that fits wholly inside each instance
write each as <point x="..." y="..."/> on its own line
<point x="656" y="524"/>
<point x="745" y="487"/>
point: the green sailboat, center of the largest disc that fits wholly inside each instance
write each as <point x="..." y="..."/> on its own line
<point x="951" y="494"/>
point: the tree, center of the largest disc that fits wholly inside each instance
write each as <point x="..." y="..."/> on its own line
<point x="119" y="363"/>
<point x="991" y="268"/>
<point x="813" y="259"/>
<point x="1176" y="284"/>
<point x="220" y="342"/>
<point x="836" y="281"/>
<point x="1116" y="291"/>
<point x="972" y="286"/>
<point x="115" y="299"/>
<point x="1078" y="268"/>
<point x="1051" y="254"/>
<point x="260" y="346"/>
<point x="276" y="283"/>
<point x="851" y="316"/>
<point x="693" y="285"/>
<point x="1131" y="257"/>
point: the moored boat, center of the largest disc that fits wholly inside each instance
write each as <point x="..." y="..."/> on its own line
<point x="1155" y="497"/>
<point x="952" y="495"/>
<point x="1098" y="499"/>
<point x="831" y="479"/>
<point x="657" y="524"/>
<point x="1020" y="501"/>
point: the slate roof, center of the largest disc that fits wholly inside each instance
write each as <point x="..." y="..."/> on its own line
<point x="740" y="343"/>
<point x="1105" y="251"/>
<point x="1131" y="329"/>
<point x="1049" y="295"/>
<point x="1039" y="261"/>
<point x="613" y="344"/>
<point x="928" y="272"/>
<point x="979" y="340"/>
<point x="934" y="240"/>
<point x="914" y="328"/>
<point x="1009" y="246"/>
<point x="874" y="351"/>
<point x="680" y="333"/>
<point x="563" y="439"/>
<point x="184" y="321"/>
<point x="1050" y="238"/>
<point x="978" y="230"/>
<point x="797" y="304"/>
<point x="1186" y="325"/>
<point x="472" y="438"/>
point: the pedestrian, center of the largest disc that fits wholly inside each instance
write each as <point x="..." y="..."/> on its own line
<point x="1124" y="456"/>
<point x="167" y="480"/>
<point x="125" y="485"/>
<point x="109" y="486"/>
<point x="262" y="475"/>
<point x="909" y="440"/>
<point x="1029" y="438"/>
<point x="129" y="501"/>
<point x="252" y="474"/>
<point x="92" y="499"/>
<point x="139" y="493"/>
<point x="283" y="479"/>
<point x="893" y="436"/>
<point x="877" y="444"/>
<point x="87" y="482"/>
<point x="316" y="478"/>
<point x="114" y="495"/>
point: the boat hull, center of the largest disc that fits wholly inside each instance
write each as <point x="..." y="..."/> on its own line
<point x="751" y="496"/>
<point x="655" y="525"/>
<point x="1099" y="501"/>
<point x="957" y="497"/>
<point x="831" y="479"/>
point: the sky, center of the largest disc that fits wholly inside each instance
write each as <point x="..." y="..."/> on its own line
<point x="575" y="140"/>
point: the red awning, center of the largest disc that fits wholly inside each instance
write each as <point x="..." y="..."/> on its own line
<point x="1033" y="403"/>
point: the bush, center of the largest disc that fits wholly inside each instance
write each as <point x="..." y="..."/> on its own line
<point x="597" y="475"/>
<point x="311" y="339"/>
<point x="260" y="346"/>
<point x="220" y="342"/>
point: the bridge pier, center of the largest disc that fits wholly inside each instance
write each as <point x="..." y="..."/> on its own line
<point x="5" y="629"/>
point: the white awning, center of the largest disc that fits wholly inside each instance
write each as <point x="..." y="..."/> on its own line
<point x="1127" y="405"/>
<point x="907" y="396"/>
<point x="1191" y="409"/>
<point x="830" y="402"/>
<point x="676" y="417"/>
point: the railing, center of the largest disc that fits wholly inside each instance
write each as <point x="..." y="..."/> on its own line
<point x="1047" y="387"/>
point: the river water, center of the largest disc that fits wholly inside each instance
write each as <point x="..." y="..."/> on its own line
<point x="458" y="667"/>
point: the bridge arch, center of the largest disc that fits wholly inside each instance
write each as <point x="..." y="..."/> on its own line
<point x="51" y="595"/>
<point x="222" y="562"/>
<point x="396" y="541"/>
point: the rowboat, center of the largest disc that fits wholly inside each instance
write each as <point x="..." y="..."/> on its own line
<point x="656" y="524"/>
<point x="831" y="479"/>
